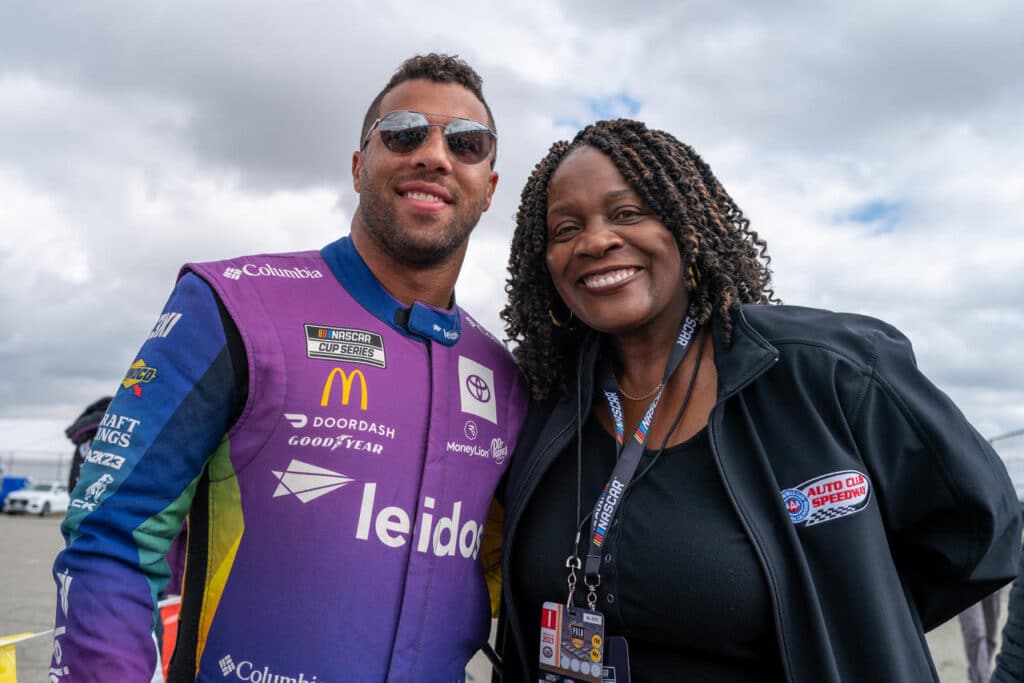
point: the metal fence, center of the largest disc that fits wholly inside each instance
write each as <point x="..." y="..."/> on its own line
<point x="40" y="465"/>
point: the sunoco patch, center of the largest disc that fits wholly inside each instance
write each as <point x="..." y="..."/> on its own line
<point x="345" y="344"/>
<point x="827" y="497"/>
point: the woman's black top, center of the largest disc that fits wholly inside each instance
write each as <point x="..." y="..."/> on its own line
<point x="679" y="577"/>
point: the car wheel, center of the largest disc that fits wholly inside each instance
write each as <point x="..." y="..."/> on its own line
<point x="45" y="511"/>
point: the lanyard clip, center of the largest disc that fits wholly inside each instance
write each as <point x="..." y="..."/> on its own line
<point x="572" y="563"/>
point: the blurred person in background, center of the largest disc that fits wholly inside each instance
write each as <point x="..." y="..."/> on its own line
<point x="1009" y="666"/>
<point x="81" y="432"/>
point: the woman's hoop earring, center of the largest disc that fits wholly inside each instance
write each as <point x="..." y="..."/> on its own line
<point x="559" y="323"/>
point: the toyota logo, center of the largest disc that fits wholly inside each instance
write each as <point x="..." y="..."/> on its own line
<point x="478" y="389"/>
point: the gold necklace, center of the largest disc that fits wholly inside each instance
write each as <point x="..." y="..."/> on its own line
<point x="638" y="398"/>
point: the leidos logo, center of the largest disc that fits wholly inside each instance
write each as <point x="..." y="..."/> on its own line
<point x="308" y="482"/>
<point x="392" y="525"/>
<point x="347" y="378"/>
<point x="138" y="373"/>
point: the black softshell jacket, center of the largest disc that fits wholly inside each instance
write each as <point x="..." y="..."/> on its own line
<point x="804" y="393"/>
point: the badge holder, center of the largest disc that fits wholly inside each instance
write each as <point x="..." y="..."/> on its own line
<point x="572" y="638"/>
<point x="572" y="642"/>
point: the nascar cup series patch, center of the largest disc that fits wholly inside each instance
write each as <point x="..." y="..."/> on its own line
<point x="827" y="497"/>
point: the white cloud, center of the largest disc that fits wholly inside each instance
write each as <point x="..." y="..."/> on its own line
<point x="132" y="140"/>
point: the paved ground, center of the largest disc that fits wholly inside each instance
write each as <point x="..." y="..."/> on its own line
<point x="28" y="545"/>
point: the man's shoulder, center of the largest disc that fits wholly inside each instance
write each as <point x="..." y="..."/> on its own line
<point x="477" y="328"/>
<point x="473" y="330"/>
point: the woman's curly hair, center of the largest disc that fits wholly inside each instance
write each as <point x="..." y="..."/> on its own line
<point x="719" y="249"/>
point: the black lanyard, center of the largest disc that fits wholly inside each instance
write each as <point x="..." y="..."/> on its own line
<point x="629" y="452"/>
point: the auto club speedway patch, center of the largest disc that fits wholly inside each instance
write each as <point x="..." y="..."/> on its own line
<point x="827" y="497"/>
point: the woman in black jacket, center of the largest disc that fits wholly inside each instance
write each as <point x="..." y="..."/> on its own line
<point x="779" y="494"/>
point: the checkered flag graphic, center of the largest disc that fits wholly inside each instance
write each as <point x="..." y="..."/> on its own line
<point x="831" y="513"/>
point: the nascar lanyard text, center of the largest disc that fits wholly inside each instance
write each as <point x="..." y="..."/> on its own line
<point x="630" y="451"/>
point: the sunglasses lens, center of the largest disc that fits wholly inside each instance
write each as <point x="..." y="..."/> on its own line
<point x="404" y="141"/>
<point x="469" y="142"/>
<point x="402" y="132"/>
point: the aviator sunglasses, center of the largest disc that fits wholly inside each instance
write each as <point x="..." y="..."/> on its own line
<point x="402" y="132"/>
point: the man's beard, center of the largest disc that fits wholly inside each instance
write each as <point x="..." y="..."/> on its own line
<point x="418" y="246"/>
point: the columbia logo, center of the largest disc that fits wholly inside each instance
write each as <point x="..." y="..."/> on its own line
<point x="233" y="273"/>
<point x="227" y="665"/>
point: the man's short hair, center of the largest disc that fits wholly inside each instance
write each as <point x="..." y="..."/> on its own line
<point x="438" y="68"/>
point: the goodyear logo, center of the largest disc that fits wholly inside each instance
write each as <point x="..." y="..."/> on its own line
<point x="138" y="373"/>
<point x="347" y="380"/>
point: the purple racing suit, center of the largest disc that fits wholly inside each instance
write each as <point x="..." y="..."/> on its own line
<point x="334" y="526"/>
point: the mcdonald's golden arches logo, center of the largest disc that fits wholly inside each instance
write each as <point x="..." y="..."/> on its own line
<point x="347" y="378"/>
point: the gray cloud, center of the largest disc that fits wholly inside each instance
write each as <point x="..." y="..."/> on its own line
<point x="135" y="138"/>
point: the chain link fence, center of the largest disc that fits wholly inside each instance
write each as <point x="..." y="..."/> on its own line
<point x="39" y="465"/>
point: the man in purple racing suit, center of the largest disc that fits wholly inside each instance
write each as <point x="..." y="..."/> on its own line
<point x="332" y="425"/>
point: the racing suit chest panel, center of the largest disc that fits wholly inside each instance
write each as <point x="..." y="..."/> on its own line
<point x="476" y="416"/>
<point x="362" y="510"/>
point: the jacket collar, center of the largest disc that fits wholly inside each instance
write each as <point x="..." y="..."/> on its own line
<point x="749" y="356"/>
<point x="420" y="321"/>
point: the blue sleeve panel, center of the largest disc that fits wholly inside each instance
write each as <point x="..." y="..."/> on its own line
<point x="169" y="414"/>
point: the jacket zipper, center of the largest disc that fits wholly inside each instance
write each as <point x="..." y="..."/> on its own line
<point x="509" y="605"/>
<point x="743" y="519"/>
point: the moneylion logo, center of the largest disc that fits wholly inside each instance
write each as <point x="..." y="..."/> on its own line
<point x="346" y="387"/>
<point x="308" y="482"/>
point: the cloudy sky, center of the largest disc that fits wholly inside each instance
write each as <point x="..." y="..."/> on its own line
<point x="878" y="149"/>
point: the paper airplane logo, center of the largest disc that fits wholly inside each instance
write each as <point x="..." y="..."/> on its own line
<point x="307" y="482"/>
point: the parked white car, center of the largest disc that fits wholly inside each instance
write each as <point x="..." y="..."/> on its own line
<point x="38" y="499"/>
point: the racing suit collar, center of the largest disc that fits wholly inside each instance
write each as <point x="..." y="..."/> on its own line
<point x="419" y="321"/>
